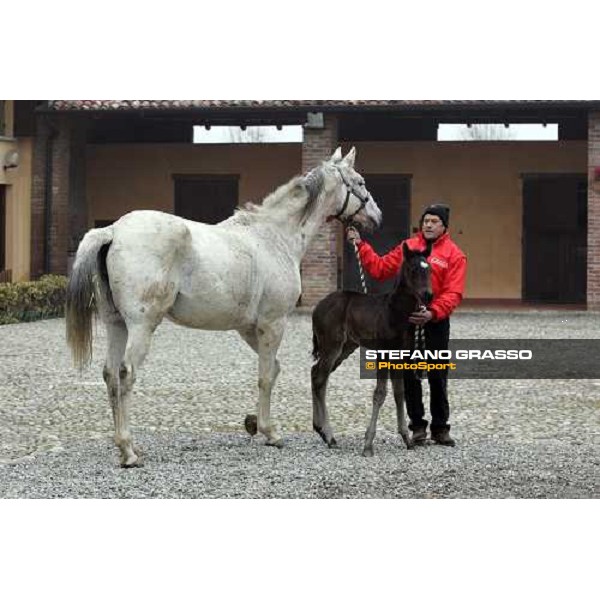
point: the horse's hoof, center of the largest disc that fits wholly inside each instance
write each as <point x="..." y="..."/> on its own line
<point x="331" y="442"/>
<point x="251" y="424"/>
<point x="368" y="453"/>
<point x="275" y="443"/>
<point x="131" y="462"/>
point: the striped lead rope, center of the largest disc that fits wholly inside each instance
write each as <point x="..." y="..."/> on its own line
<point x="360" y="268"/>
<point x="419" y="345"/>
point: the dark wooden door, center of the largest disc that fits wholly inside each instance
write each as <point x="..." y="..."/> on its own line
<point x="206" y="198"/>
<point x="2" y="228"/>
<point x="555" y="238"/>
<point x="392" y="194"/>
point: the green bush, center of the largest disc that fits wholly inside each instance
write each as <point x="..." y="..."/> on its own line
<point x="32" y="300"/>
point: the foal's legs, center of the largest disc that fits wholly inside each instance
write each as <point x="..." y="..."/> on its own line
<point x="398" y="387"/>
<point x="137" y="339"/>
<point x="378" y="400"/>
<point x="330" y="359"/>
<point x="319" y="376"/>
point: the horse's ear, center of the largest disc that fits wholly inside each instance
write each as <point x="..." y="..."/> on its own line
<point x="336" y="156"/>
<point x="349" y="158"/>
<point x="406" y="251"/>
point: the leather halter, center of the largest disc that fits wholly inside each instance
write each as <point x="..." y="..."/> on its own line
<point x="350" y="191"/>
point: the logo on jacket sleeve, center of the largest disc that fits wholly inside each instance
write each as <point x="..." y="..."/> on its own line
<point x="439" y="261"/>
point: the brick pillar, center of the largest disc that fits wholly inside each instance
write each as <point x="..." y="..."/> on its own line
<point x="78" y="213"/>
<point x="59" y="229"/>
<point x="319" y="267"/>
<point x="593" y="256"/>
<point x="58" y="151"/>
<point x="38" y="183"/>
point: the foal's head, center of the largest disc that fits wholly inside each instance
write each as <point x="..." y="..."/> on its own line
<point x="415" y="276"/>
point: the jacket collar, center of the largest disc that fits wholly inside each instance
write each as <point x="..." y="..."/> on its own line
<point x="440" y="240"/>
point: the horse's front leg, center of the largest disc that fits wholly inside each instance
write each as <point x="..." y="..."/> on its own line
<point x="378" y="400"/>
<point x="269" y="339"/>
<point x="398" y="387"/>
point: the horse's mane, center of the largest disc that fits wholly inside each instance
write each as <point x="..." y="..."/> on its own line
<point x="296" y="197"/>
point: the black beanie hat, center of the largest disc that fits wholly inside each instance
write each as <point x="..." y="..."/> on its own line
<point x="439" y="210"/>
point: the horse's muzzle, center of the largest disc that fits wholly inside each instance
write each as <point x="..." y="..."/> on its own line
<point x="365" y="222"/>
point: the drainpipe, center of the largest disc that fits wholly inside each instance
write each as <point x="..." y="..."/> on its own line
<point x="52" y="132"/>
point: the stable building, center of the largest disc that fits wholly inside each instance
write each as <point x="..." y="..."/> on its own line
<point x="526" y="213"/>
<point x="17" y="130"/>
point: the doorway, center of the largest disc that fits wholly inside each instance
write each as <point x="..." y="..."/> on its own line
<point x="206" y="198"/>
<point x="555" y="238"/>
<point x="4" y="275"/>
<point x="392" y="194"/>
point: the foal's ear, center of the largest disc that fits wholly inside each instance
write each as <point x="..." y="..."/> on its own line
<point x="336" y="156"/>
<point x="349" y="158"/>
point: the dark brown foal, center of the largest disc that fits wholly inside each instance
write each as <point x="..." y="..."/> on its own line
<point x="343" y="321"/>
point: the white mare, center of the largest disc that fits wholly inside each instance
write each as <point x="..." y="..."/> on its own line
<point x="242" y="274"/>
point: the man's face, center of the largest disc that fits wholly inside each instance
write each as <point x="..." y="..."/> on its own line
<point x="432" y="227"/>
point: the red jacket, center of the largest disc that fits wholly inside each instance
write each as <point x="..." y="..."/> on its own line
<point x="448" y="270"/>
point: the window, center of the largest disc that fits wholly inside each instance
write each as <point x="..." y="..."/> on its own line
<point x="479" y="132"/>
<point x="261" y="134"/>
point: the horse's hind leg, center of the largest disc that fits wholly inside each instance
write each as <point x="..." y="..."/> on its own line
<point x="378" y="400"/>
<point x="116" y="332"/>
<point x="138" y="344"/>
<point x="398" y="387"/>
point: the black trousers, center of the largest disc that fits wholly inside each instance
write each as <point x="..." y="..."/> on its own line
<point x="437" y="336"/>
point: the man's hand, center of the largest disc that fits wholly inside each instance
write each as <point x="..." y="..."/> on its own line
<point x="352" y="235"/>
<point x="420" y="317"/>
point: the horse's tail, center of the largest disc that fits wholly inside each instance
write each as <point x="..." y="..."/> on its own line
<point x="87" y="288"/>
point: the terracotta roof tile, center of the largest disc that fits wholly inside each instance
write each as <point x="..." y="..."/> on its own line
<point x="123" y="105"/>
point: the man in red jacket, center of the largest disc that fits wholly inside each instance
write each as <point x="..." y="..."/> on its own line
<point x="448" y="271"/>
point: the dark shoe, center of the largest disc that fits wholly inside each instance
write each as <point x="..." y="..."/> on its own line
<point x="419" y="436"/>
<point x="443" y="438"/>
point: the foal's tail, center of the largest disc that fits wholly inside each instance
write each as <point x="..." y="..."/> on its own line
<point x="88" y="286"/>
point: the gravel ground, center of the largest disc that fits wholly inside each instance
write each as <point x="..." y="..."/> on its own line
<point x="524" y="439"/>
